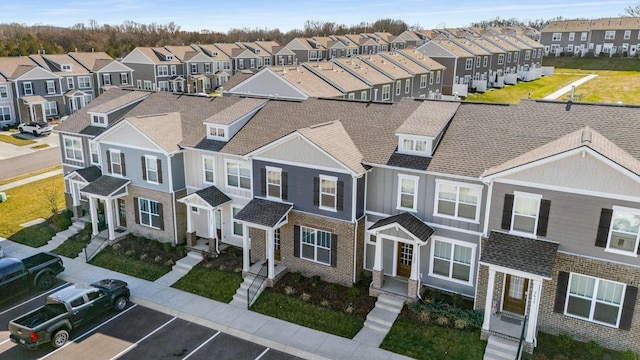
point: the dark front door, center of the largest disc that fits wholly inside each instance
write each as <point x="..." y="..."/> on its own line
<point x="122" y="213"/>
<point x="515" y="294"/>
<point x="405" y="254"/>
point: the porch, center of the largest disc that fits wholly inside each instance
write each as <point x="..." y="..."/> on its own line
<point x="104" y="195"/>
<point x="204" y="219"/>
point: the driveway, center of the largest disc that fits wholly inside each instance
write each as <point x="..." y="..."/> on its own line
<point x="9" y="150"/>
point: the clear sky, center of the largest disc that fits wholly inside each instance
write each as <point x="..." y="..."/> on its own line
<point x="221" y="15"/>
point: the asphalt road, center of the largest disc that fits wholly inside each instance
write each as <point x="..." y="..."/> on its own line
<point x="27" y="163"/>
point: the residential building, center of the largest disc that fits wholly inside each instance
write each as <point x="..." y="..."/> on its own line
<point x="222" y="63"/>
<point x="350" y="86"/>
<point x="382" y="86"/>
<point x="199" y="68"/>
<point x="303" y="49"/>
<point x="157" y="69"/>
<point x="106" y="71"/>
<point x="458" y="61"/>
<point x="429" y="84"/>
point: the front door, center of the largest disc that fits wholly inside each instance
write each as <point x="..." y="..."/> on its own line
<point x="122" y="213"/>
<point x="405" y="254"/>
<point x="515" y="294"/>
<point x="276" y="244"/>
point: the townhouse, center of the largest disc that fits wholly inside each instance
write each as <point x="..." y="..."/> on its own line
<point x="427" y="73"/>
<point x="303" y="49"/>
<point x="222" y="63"/>
<point x="105" y="70"/>
<point x="352" y="48"/>
<point x="349" y="85"/>
<point x="458" y="61"/>
<point x="200" y="74"/>
<point x="157" y="69"/>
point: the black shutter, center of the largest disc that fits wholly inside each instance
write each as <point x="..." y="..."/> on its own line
<point x="543" y="217"/>
<point x="124" y="168"/>
<point x="161" y="216"/>
<point x="109" y="161"/>
<point x="285" y="186"/>
<point x="506" y="211"/>
<point x="159" y="162"/>
<point x="603" y="227"/>
<point x="630" y="297"/>
<point x="143" y="162"/>
<point x="296" y="241"/>
<point x="561" y="292"/>
<point x="136" y="209"/>
<point x="334" y="250"/>
<point x="340" y="196"/>
<point x="263" y="182"/>
<point x="316" y="191"/>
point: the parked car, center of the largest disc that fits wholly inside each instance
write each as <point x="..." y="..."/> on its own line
<point x="37" y="271"/>
<point x="65" y="309"/>
<point x="35" y="128"/>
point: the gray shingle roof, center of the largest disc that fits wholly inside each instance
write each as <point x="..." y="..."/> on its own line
<point x="520" y="253"/>
<point x="213" y="196"/>
<point x="408" y="161"/>
<point x="264" y="212"/>
<point x="105" y="185"/>
<point x="409" y="222"/>
<point x="90" y="173"/>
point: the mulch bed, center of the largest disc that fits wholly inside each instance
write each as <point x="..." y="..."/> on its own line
<point x="229" y="259"/>
<point x="146" y="249"/>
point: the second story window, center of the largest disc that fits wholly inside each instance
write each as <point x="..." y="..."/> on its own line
<point x="469" y="64"/>
<point x="240" y="63"/>
<point x="194" y="68"/>
<point x="627" y="35"/>
<point x="216" y="133"/>
<point x="485" y="61"/>
<point x="207" y="68"/>
<point x="274" y="182"/>
<point x="572" y="36"/>
<point x="106" y="79"/>
<point x="500" y="59"/>
<point x="99" y="120"/>
<point x="515" y="57"/>
<point x="508" y="57"/>
<point x="70" y="84"/>
<point x="619" y="230"/>
<point x="124" y="79"/>
<point x="238" y="175"/>
<point x="115" y="162"/>
<point x="526" y="214"/>
<point x="151" y="169"/>
<point x="328" y="192"/>
<point x="423" y="81"/>
<point x="95" y="153"/>
<point x="457" y="200"/>
<point x="417" y="146"/>
<point x="478" y="60"/>
<point x="163" y="70"/>
<point x="386" y="92"/>
<point x="27" y="88"/>
<point x="84" y="82"/>
<point x="527" y="55"/>
<point x="407" y="86"/>
<point x="438" y="77"/>
<point x="398" y="87"/>
<point x="556" y="37"/>
<point x="208" y="170"/>
<point x="407" y="192"/>
<point x="583" y="36"/>
<point x="72" y="148"/>
<point x="4" y="93"/>
<point x="173" y="70"/>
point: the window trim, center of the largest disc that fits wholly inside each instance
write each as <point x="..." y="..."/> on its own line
<point x="234" y="222"/>
<point x="335" y="195"/>
<point x="151" y="159"/>
<point x="469" y="64"/>
<point x="386" y="92"/>
<point x="151" y="214"/>
<point x="27" y="85"/>
<point x="274" y="170"/>
<point x="412" y="150"/>
<point x="84" y="80"/>
<point x="204" y="170"/>
<point x="163" y="70"/>
<point x="618" y="251"/>
<point x="458" y="185"/>
<point x="50" y="110"/>
<point x="113" y="154"/>
<point x="594" y="300"/>
<point x="399" y="193"/>
<point x="8" y="113"/>
<point x="97" y="153"/>
<point x="521" y="194"/>
<point x="70" y="83"/>
<point x="423" y="81"/>
<point x="73" y="139"/>
<point x="217" y="128"/>
<point x="453" y="243"/>
<point x="124" y="79"/>
<point x="226" y="174"/>
<point x="315" y="245"/>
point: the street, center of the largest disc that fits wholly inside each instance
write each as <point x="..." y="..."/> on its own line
<point x="24" y="164"/>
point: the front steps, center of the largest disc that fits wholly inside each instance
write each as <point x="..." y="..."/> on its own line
<point x="181" y="268"/>
<point x="62" y="236"/>
<point x="379" y="320"/>
<point x="240" y="297"/>
<point x="500" y="349"/>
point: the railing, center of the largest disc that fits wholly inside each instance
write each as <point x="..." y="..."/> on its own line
<point x="258" y="276"/>
<point x="520" y="347"/>
<point x="92" y="250"/>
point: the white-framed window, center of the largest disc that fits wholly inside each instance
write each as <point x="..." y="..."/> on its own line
<point x="194" y="68"/>
<point x="4" y="92"/>
<point x="452" y="260"/>
<point x="508" y="57"/>
<point x="124" y="79"/>
<point x="94" y="150"/>
<point x="238" y="175"/>
<point x="328" y="192"/>
<point x="415" y="146"/>
<point x="570" y="48"/>
<point x="386" y="92"/>
<point x="72" y="148"/>
<point x="84" y="82"/>
<point x="274" y="182"/>
<point x="267" y="61"/>
<point x="515" y="57"/>
<point x="99" y="120"/>
<point x="65" y="67"/>
<point x="252" y="63"/>
<point x="70" y="83"/>
<point x="469" y="64"/>
<point x="226" y="65"/>
<point x="216" y="132"/>
<point x="51" y="108"/>
<point x="627" y="35"/>
<point x="149" y="213"/>
<point x="609" y="34"/>
<point x="438" y="77"/>
<point x="207" y="68"/>
<point x="485" y="61"/>
<point x="5" y="113"/>
<point x="527" y="54"/>
<point x="624" y="231"/>
<point x="363" y="95"/>
<point x="163" y="85"/>
<point x="351" y="96"/>
<point x="106" y="79"/>
<point x="240" y="63"/>
<point x="423" y="81"/>
<point x="27" y="88"/>
<point x="147" y="85"/>
<point x="478" y="61"/>
<point x="407" y="192"/>
<point x="237" y="227"/>
<point x="398" y="87"/>
<point x="208" y="170"/>
<point x="139" y="84"/>
<point x="313" y="55"/>
<point x="151" y="168"/>
<point x="526" y="208"/>
<point x="407" y="86"/>
<point x="583" y="36"/>
<point x="116" y="162"/>
<point x="556" y="37"/>
<point x="172" y="70"/>
<point x="163" y="70"/>
<point x="315" y="245"/>
<point x="500" y="59"/>
<point x="457" y="200"/>
<point x="593" y="299"/>
<point x="572" y="36"/>
<point x="430" y="78"/>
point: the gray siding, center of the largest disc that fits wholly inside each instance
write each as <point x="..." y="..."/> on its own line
<point x="133" y="164"/>
<point x="382" y="191"/>
<point x="177" y="171"/>
<point x="142" y="72"/>
<point x="360" y="197"/>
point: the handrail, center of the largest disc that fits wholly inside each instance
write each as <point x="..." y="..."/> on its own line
<point x="520" y="348"/>
<point x="258" y="275"/>
<point x="88" y="256"/>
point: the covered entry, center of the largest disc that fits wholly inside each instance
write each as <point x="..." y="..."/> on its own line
<point x="204" y="213"/>
<point x="107" y="189"/>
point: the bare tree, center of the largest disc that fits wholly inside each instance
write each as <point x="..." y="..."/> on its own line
<point x="632" y="10"/>
<point x="52" y="197"/>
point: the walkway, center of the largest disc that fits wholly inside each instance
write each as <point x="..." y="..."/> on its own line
<point x="30" y="179"/>
<point x="567" y="88"/>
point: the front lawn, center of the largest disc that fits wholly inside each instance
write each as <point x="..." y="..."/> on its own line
<point x="15" y="140"/>
<point x="563" y="347"/>
<point x="74" y="245"/>
<point x="536" y="89"/>
<point x="214" y="284"/>
<point x="40" y="234"/>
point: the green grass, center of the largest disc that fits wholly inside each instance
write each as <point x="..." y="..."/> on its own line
<point x="536" y="89"/>
<point x="34" y="236"/>
<point x="423" y="341"/>
<point x="40" y="146"/>
<point x="70" y="248"/>
<point x="563" y="347"/>
<point x="315" y="317"/>
<point x="593" y="63"/>
<point x="24" y="176"/>
<point x="14" y="140"/>
<point x="210" y="283"/>
<point x="109" y="259"/>
<point x="608" y="87"/>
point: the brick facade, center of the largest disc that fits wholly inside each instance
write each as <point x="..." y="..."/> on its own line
<point x="166" y="235"/>
<point x="481" y="288"/>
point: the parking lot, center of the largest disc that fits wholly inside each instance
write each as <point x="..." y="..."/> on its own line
<point x="136" y="333"/>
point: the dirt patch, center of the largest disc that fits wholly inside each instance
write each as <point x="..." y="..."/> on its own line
<point x="146" y="249"/>
<point x="229" y="259"/>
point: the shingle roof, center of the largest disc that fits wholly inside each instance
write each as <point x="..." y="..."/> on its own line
<point x="94" y="61"/>
<point x="213" y="196"/>
<point x="364" y="70"/>
<point x="263" y="212"/>
<point x="105" y="185"/>
<point x="421" y="59"/>
<point x="429" y="119"/>
<point x="409" y="222"/>
<point x="126" y="98"/>
<point x="519" y="253"/>
<point x="408" y="161"/>
<point x="383" y="64"/>
<point x="622" y="23"/>
<point x="14" y="66"/>
<point x="234" y="112"/>
<point x="306" y="81"/>
<point x="337" y="75"/>
<point x="237" y="78"/>
<point x="164" y="129"/>
<point x="453" y="48"/>
<point x="90" y="173"/>
<point x="332" y="138"/>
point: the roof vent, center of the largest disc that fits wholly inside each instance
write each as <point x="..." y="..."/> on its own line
<point x="586" y="136"/>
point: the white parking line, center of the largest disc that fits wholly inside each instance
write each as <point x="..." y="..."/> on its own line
<point x="201" y="345"/>
<point x="4" y="342"/>
<point x="141" y="340"/>
<point x="264" y="352"/>
<point x="33" y="298"/>
<point x="87" y="333"/>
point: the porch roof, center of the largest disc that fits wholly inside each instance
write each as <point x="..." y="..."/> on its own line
<point x="34" y="100"/>
<point x="409" y="222"/>
<point x="213" y="196"/>
<point x="520" y="253"/>
<point x="264" y="212"/>
<point x="89" y="174"/>
<point x="105" y="185"/>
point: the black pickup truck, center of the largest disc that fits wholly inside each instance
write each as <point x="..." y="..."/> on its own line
<point x="64" y="310"/>
<point x="38" y="271"/>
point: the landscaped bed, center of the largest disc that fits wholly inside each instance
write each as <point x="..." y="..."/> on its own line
<point x="563" y="347"/>
<point x="74" y="244"/>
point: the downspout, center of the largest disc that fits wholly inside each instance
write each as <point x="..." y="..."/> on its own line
<point x="354" y="202"/>
<point x="485" y="233"/>
<point x="216" y="230"/>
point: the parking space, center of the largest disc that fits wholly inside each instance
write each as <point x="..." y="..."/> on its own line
<point x="136" y="333"/>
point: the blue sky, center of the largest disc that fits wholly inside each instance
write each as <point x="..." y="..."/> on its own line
<point x="287" y="15"/>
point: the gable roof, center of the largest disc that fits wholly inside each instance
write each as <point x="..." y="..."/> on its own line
<point x="514" y="252"/>
<point x="333" y="139"/>
<point x="363" y="70"/>
<point x="12" y="67"/>
<point x="163" y="129"/>
<point x="429" y="119"/>
<point x="93" y="61"/>
<point x="234" y="112"/>
<point x="409" y="222"/>
<point x="336" y="75"/>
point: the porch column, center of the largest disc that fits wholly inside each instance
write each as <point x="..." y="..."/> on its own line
<point x="270" y="255"/>
<point x="109" y="217"/>
<point x="245" y="248"/>
<point x="377" y="264"/>
<point x="489" y="300"/>
<point x="536" y="292"/>
<point x="415" y="255"/>
<point x="93" y="209"/>
<point x="189" y="224"/>
<point x="44" y="114"/>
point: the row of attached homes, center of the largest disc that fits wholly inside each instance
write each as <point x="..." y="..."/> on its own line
<point x="532" y="209"/>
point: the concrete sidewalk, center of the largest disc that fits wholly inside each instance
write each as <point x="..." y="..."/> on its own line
<point x="260" y="329"/>
<point x="567" y="88"/>
<point x="30" y="179"/>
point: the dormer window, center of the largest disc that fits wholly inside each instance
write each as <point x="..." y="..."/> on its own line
<point x="99" y="120"/>
<point x="65" y="67"/>
<point x="257" y="51"/>
<point x="413" y="145"/>
<point x="169" y="57"/>
<point x="216" y="132"/>
<point x="215" y="53"/>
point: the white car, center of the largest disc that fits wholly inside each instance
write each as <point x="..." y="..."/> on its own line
<point x="35" y="128"/>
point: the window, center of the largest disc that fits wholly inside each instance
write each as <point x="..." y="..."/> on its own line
<point x="407" y="86"/>
<point x="438" y="77"/>
<point x="415" y="146"/>
<point x="609" y="34"/>
<point x="124" y="79"/>
<point x="173" y="70"/>
<point x="485" y="61"/>
<point x="527" y="54"/>
<point x="95" y="153"/>
<point x="508" y="57"/>
<point x="267" y="61"/>
<point x="313" y="55"/>
<point x="423" y="81"/>
<point x="351" y="96"/>
<point x="116" y="162"/>
<point x="149" y="213"/>
<point x="328" y="192"/>
<point x="163" y="85"/>
<point x="106" y="79"/>
<point x="208" y="169"/>
<point x="398" y="87"/>
<point x="207" y="68"/>
<point x="216" y="132"/>
<point x="363" y="95"/>
<point x="84" y="82"/>
<point x="238" y="175"/>
<point x="237" y="227"/>
<point x="139" y="84"/>
<point x="240" y="63"/>
<point x="570" y="48"/>
<point x="147" y="85"/>
<point x="27" y="88"/>
<point x="72" y="148"/>
<point x="274" y="182"/>
<point x="478" y="61"/>
<point x="4" y="93"/>
<point x="594" y="299"/>
<point x="151" y="168"/>
<point x="556" y="37"/>
<point x="627" y="35"/>
<point x="51" y="108"/>
<point x="315" y="245"/>
<point x="515" y="57"/>
<point x="525" y="212"/>
<point x="99" y="120"/>
<point x="194" y="68"/>
<point x="452" y="260"/>
<point x="572" y="36"/>
<point x="226" y="65"/>
<point x="5" y="113"/>
<point x="431" y="79"/>
<point x="386" y="92"/>
<point x="70" y="84"/>
<point x="623" y="233"/>
<point x="457" y="200"/>
<point x="65" y="67"/>
<point x="163" y="70"/>
<point x="583" y="36"/>
<point x="500" y="59"/>
<point x="469" y="64"/>
<point x="252" y="63"/>
<point x="407" y="192"/>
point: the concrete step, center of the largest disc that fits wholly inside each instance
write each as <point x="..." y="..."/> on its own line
<point x="500" y="349"/>
<point x="78" y="225"/>
<point x="196" y="255"/>
<point x="509" y="345"/>
<point x="389" y="303"/>
<point x="382" y="316"/>
<point x="377" y="327"/>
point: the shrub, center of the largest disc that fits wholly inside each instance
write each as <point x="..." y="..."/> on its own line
<point x="442" y="320"/>
<point x="628" y="355"/>
<point x="289" y="290"/>
<point x="143" y="257"/>
<point x="169" y="262"/>
<point x="167" y="247"/>
<point x="116" y="246"/>
<point x="354" y="292"/>
<point x="157" y="259"/>
<point x="295" y="276"/>
<point x="424" y="315"/>
<point x="461" y="323"/>
<point x="566" y="343"/>
<point x="594" y="349"/>
<point x="324" y="303"/>
<point x="305" y="297"/>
